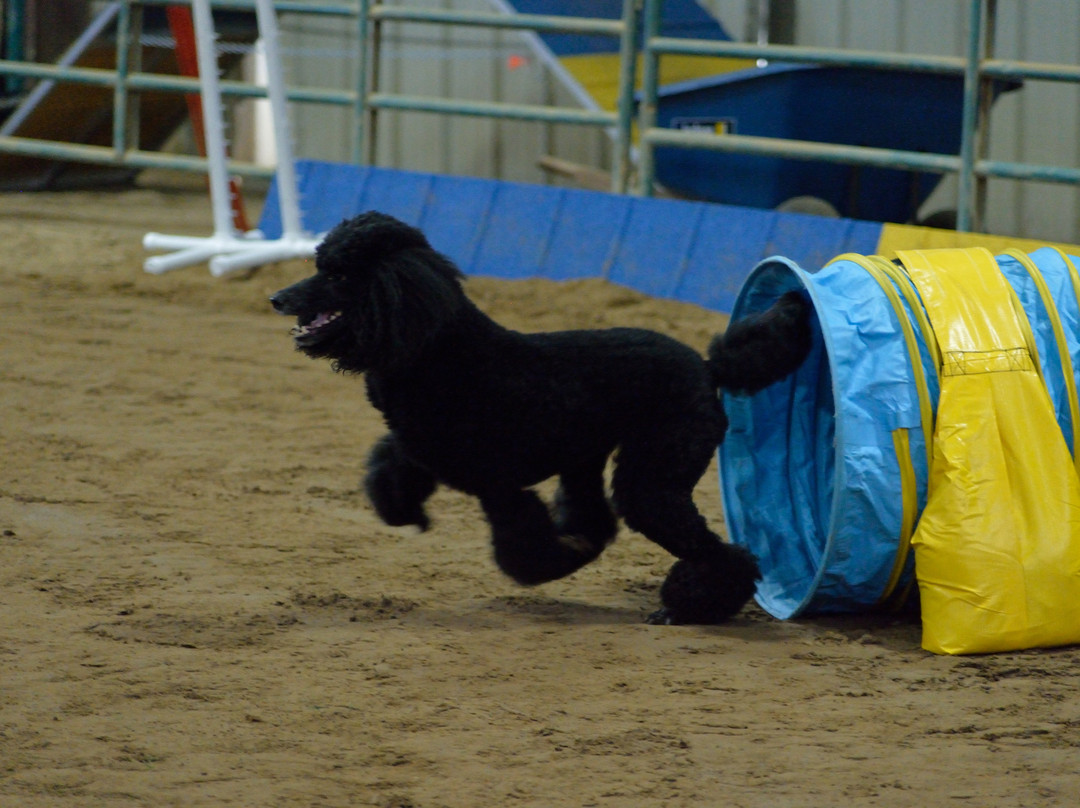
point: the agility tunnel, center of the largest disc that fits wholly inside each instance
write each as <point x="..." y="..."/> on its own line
<point x="929" y="439"/>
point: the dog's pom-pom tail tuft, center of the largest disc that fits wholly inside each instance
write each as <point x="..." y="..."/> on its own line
<point x="763" y="348"/>
<point x="706" y="592"/>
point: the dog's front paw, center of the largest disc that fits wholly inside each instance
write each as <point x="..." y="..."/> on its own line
<point x="396" y="486"/>
<point x="661" y="617"/>
<point x="709" y="591"/>
<point x="418" y="519"/>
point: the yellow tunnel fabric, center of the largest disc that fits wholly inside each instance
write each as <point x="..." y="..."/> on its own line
<point x="997" y="548"/>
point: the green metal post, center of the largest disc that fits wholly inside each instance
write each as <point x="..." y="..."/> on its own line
<point x="969" y="121"/>
<point x="360" y="109"/>
<point x="12" y="47"/>
<point x="986" y="101"/>
<point x="628" y="47"/>
<point x="120" y="89"/>
<point x="650" y="79"/>
<point x="374" y="55"/>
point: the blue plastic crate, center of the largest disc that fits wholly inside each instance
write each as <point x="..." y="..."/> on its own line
<point x="889" y="109"/>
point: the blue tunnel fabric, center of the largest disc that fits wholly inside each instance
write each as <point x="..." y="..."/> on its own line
<point x="816" y="470"/>
<point x="1057" y="275"/>
<point x="824" y="534"/>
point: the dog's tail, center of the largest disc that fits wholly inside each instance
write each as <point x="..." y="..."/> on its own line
<point x="759" y="350"/>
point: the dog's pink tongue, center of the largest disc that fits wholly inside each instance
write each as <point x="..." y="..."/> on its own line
<point x="322" y="319"/>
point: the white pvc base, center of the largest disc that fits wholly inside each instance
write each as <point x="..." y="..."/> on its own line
<point x="226" y="254"/>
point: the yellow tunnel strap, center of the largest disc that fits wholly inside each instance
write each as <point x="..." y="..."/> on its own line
<point x="950" y="282"/>
<point x="907" y="289"/>
<point x="909" y="501"/>
<point x="1074" y="275"/>
<point x="881" y="270"/>
<point x="1059" y="338"/>
<point x="1003" y="360"/>
<point x="909" y="511"/>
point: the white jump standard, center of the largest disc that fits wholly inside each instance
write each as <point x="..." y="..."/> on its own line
<point x="228" y="250"/>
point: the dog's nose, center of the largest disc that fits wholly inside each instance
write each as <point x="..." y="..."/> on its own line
<point x="277" y="303"/>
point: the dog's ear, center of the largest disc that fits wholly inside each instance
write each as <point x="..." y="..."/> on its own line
<point x="404" y="291"/>
<point x="413" y="295"/>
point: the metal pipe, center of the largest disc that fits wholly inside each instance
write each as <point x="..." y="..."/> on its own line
<point x="102" y="77"/>
<point x="282" y="6"/>
<point x="78" y="75"/>
<point x="12" y="15"/>
<point x="997" y="68"/>
<point x="761" y="35"/>
<point x="106" y="155"/>
<point x="376" y="28"/>
<point x="534" y="22"/>
<point x="120" y="94"/>
<point x="360" y="111"/>
<point x="491" y="109"/>
<point x="1046" y="71"/>
<point x="800" y="150"/>
<point x="969" y="118"/>
<point x="1027" y="171"/>
<point x="628" y="45"/>
<point x="650" y="73"/>
<point x="807" y="55"/>
<point x="982" y="121"/>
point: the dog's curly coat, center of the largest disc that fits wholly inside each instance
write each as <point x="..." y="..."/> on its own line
<point x="492" y="412"/>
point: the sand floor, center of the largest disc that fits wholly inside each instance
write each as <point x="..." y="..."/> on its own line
<point x="199" y="607"/>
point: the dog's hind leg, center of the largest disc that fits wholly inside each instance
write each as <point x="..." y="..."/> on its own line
<point x="582" y="511"/>
<point x="397" y="486"/>
<point x="526" y="541"/>
<point x="653" y="487"/>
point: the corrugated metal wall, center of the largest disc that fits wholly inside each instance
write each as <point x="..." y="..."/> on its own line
<point x="1038" y="124"/>
<point x="431" y="60"/>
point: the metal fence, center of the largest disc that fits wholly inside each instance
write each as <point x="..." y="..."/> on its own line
<point x="619" y="121"/>
<point x="977" y="67"/>
<point x="366" y="99"/>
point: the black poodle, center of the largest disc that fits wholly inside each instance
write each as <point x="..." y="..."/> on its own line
<point x="492" y="412"/>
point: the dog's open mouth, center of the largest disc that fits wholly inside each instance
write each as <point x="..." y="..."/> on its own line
<point x="314" y="329"/>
